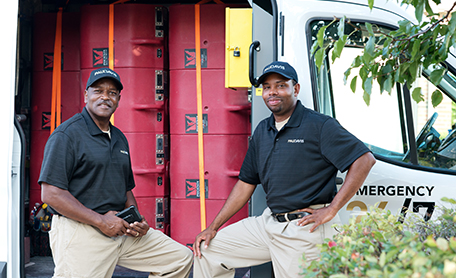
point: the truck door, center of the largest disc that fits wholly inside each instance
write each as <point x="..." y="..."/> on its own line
<point x="12" y="152"/>
<point x="414" y="144"/>
<point x="262" y="52"/>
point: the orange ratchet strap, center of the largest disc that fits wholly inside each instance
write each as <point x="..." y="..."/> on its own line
<point x="200" y="117"/>
<point x="57" y="74"/>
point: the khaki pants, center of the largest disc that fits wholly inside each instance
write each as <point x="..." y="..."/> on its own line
<point x="80" y="250"/>
<point x="257" y="240"/>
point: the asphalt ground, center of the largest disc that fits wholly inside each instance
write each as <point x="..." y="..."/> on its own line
<point x="43" y="267"/>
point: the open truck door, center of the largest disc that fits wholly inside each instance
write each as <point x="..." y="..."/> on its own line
<point x="12" y="153"/>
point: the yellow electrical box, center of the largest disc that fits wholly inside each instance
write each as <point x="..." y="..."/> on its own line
<point x="238" y="38"/>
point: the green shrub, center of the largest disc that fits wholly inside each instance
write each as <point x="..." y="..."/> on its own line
<point x="381" y="246"/>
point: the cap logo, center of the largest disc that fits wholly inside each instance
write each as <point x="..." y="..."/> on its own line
<point x="105" y="71"/>
<point x="274" y="67"/>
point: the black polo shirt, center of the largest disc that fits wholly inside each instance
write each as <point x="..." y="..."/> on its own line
<point x="297" y="166"/>
<point x="95" y="169"/>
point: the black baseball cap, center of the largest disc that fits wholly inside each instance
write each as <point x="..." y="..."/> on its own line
<point x="282" y="68"/>
<point x="100" y="73"/>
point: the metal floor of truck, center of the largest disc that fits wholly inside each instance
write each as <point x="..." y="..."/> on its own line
<point x="43" y="267"/>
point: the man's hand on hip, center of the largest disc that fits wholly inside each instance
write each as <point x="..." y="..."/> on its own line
<point x="317" y="216"/>
<point x="205" y="236"/>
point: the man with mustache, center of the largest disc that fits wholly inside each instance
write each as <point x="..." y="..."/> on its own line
<point x="86" y="177"/>
<point x="295" y="154"/>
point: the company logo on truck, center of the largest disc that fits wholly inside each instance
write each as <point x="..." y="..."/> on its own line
<point x="408" y="191"/>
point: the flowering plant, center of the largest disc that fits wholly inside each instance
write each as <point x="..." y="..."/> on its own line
<point x="381" y="246"/>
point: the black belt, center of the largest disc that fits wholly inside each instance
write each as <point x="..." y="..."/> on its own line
<point x="289" y="216"/>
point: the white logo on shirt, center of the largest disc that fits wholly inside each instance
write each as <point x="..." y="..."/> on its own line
<point x="296" y="141"/>
<point x="124" y="152"/>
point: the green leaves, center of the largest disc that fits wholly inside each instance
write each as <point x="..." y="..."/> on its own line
<point x="371" y="3"/>
<point x="391" y="56"/>
<point x="341" y="27"/>
<point x="442" y="244"/>
<point x="416" y="95"/>
<point x="419" y="8"/>
<point x="367" y="86"/>
<point x="318" y="48"/>
<point x="369" y="49"/>
<point x="388" y="84"/>
<point x="321" y="35"/>
<point x="436" y="76"/>
<point x="319" y="57"/>
<point x="436" y="98"/>
<point x="448" y="200"/>
<point x="353" y="84"/>
<point x="346" y="74"/>
<point x="338" y="47"/>
<point x="369" y="29"/>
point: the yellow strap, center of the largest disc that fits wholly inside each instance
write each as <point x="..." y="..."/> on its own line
<point x="200" y="117"/>
<point x="57" y="74"/>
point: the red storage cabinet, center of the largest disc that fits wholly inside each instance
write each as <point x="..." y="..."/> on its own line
<point x="226" y="121"/>
<point x="185" y="218"/>
<point x="139" y="36"/>
<point x="38" y="142"/>
<point x="149" y="153"/>
<point x="155" y="210"/>
<point x="94" y="36"/>
<point x="151" y="183"/>
<point x="225" y="111"/>
<point x="223" y="157"/>
<point x="182" y="36"/>
<point x="41" y="97"/>
<point x="140" y="58"/>
<point x="71" y="97"/>
<point x="158" y="118"/>
<point x="44" y="39"/>
<point x="143" y="105"/>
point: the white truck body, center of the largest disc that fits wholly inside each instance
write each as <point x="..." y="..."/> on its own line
<point x="284" y="35"/>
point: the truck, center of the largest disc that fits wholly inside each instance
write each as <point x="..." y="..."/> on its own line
<point x="158" y="48"/>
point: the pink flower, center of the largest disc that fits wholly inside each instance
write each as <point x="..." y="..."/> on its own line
<point x="331" y="244"/>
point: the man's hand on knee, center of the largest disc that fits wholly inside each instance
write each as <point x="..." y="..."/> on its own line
<point x="138" y="229"/>
<point x="205" y="236"/>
